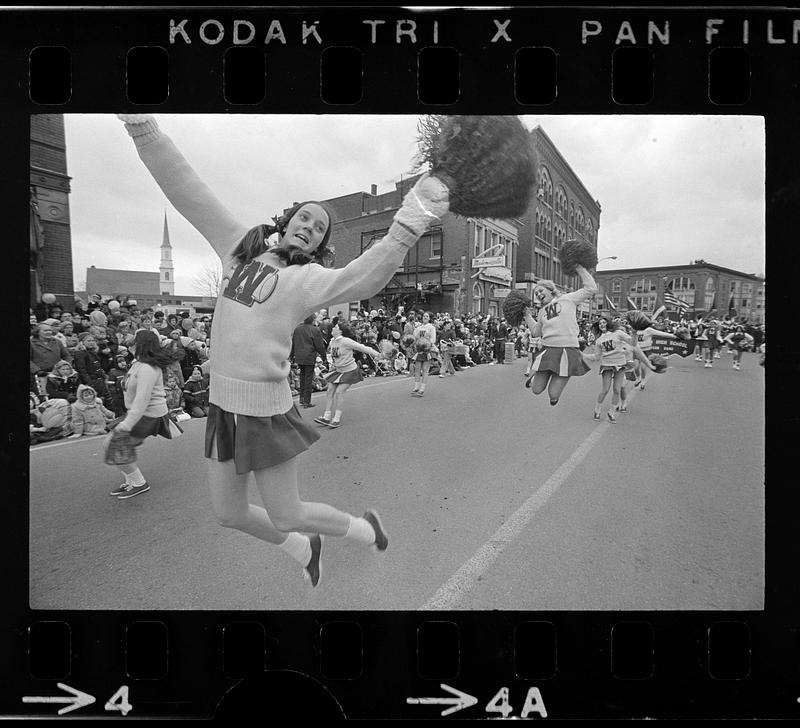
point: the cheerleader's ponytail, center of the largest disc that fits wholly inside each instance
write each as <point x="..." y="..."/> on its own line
<point x="253" y="243"/>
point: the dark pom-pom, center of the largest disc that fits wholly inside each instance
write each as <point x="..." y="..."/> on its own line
<point x="487" y="162"/>
<point x="408" y="341"/>
<point x="422" y="344"/>
<point x="659" y="363"/>
<point x="577" y="252"/>
<point x="514" y="307"/>
<point x="638" y="320"/>
<point x="682" y="332"/>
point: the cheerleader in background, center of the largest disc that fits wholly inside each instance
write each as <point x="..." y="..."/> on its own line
<point x="345" y="372"/>
<point x="644" y="340"/>
<point x="609" y="349"/>
<point x="557" y="325"/>
<point x="739" y="341"/>
<point x="424" y="342"/>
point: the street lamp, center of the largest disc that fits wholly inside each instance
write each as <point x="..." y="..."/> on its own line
<point x="608" y="257"/>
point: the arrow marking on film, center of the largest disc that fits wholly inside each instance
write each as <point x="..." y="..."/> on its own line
<point x="461" y="701"/>
<point x="78" y="699"/>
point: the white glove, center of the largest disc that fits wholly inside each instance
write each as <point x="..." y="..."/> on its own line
<point x="433" y="195"/>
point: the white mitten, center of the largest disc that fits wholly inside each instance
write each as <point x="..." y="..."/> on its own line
<point x="425" y="202"/>
<point x="433" y="195"/>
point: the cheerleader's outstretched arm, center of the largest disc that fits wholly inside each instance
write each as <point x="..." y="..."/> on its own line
<point x="182" y="186"/>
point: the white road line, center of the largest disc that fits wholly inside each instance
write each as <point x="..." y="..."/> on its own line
<point x="451" y="592"/>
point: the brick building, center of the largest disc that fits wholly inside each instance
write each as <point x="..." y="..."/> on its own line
<point x="437" y="273"/>
<point x="50" y="242"/>
<point x="704" y="287"/>
<point x="562" y="209"/>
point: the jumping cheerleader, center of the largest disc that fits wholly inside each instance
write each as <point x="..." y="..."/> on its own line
<point x="253" y="426"/>
<point x="739" y="341"/>
<point x="424" y="343"/>
<point x="345" y="372"/>
<point x="644" y="340"/>
<point x="713" y="342"/>
<point x="557" y="324"/>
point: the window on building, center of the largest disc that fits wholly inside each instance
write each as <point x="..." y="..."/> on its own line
<point x="616" y="287"/>
<point x="710" y="294"/>
<point x="477" y="297"/>
<point x="166" y="275"/>
<point x="435" y="238"/>
<point x="370" y="237"/>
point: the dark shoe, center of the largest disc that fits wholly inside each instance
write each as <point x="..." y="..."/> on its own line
<point x="597" y="414"/>
<point x="321" y="421"/>
<point x="553" y="402"/>
<point x="334" y="424"/>
<point x="313" y="570"/>
<point x="119" y="490"/>
<point x="611" y="418"/>
<point x="307" y="405"/>
<point x="381" y="537"/>
<point x="133" y="490"/>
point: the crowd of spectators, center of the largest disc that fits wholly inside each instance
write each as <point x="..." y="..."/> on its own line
<point x="89" y="348"/>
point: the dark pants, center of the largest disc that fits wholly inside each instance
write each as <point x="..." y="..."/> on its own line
<point x="500" y="350"/>
<point x="306" y="380"/>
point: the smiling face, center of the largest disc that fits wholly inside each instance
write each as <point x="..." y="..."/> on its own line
<point x="542" y="295"/>
<point x="602" y="324"/>
<point x="336" y="331"/>
<point x="306" y="230"/>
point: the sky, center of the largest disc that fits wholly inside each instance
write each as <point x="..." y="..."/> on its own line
<point x="672" y="188"/>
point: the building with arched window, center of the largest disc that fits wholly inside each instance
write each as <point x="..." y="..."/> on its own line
<point x="695" y="290"/>
<point x="561" y="209"/>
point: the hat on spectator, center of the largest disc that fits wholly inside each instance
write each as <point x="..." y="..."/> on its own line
<point x="51" y="322"/>
<point x="82" y="336"/>
<point x="99" y="318"/>
<point x="187" y="324"/>
<point x="121" y="351"/>
<point x="176" y="331"/>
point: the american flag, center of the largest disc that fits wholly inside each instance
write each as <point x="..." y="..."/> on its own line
<point x="670" y="299"/>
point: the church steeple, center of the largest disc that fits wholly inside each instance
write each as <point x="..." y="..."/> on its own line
<point x="166" y="271"/>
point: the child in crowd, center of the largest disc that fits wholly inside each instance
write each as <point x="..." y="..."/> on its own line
<point x="173" y="393"/>
<point x="89" y="416"/>
<point x="62" y="382"/>
<point x="195" y="393"/>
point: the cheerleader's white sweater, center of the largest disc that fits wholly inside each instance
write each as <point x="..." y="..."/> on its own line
<point x="261" y="302"/>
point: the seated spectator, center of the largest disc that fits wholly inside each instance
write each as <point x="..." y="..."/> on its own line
<point x="50" y="419"/>
<point x="45" y="352"/>
<point x="160" y="323"/>
<point x="89" y="365"/>
<point x="116" y="382"/>
<point x="62" y="382"/>
<point x="174" y="395"/>
<point x="195" y="393"/>
<point x="89" y="416"/>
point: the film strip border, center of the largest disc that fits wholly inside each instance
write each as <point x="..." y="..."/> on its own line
<point x="708" y="60"/>
<point x="378" y="60"/>
<point x="398" y="666"/>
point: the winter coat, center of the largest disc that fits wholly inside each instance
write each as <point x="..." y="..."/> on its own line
<point x="91" y="418"/>
<point x="59" y="387"/>
<point x="46" y="354"/>
<point x="307" y="344"/>
<point x="89" y="366"/>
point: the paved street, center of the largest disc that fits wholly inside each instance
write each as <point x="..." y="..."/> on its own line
<point x="492" y="499"/>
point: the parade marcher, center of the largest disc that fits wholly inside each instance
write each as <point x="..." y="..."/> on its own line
<point x="253" y="426"/>
<point x="609" y="348"/>
<point x="740" y="341"/>
<point x="447" y="340"/>
<point x="146" y="405"/>
<point x="713" y="343"/>
<point x="557" y="324"/>
<point x="307" y="345"/>
<point x="644" y="340"/>
<point x="424" y="342"/>
<point x="344" y="372"/>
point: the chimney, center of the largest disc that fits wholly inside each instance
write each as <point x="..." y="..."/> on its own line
<point x="374" y="190"/>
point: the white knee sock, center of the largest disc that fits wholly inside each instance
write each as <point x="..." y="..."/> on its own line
<point x="360" y="530"/>
<point x="135" y="478"/>
<point x="298" y="547"/>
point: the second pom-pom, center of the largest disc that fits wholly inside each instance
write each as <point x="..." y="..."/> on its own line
<point x="577" y="252"/>
<point x="514" y="307"/>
